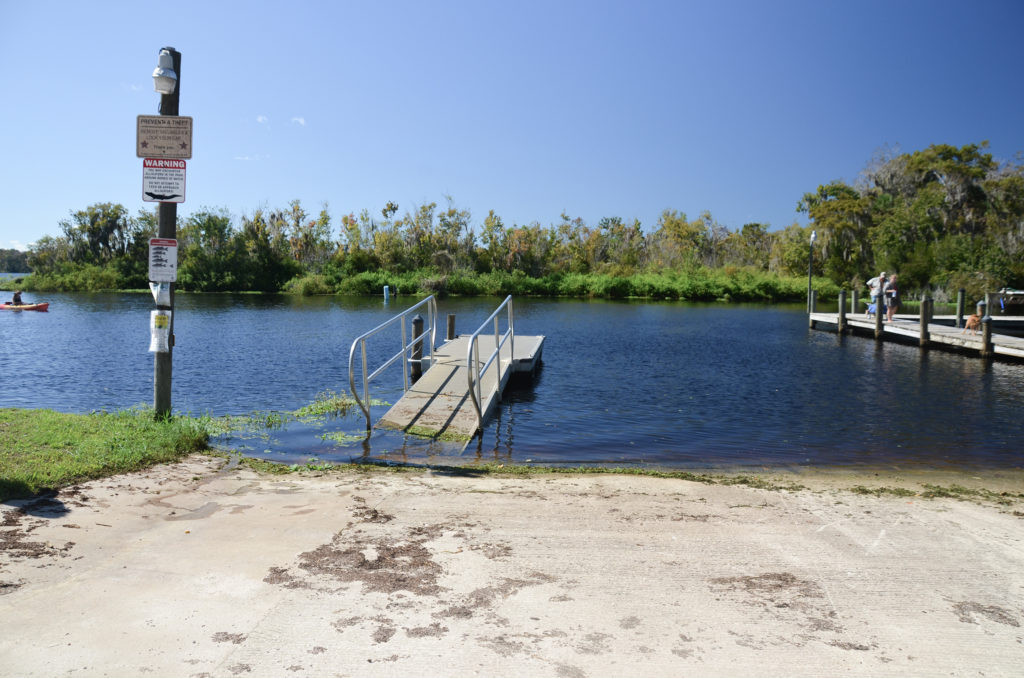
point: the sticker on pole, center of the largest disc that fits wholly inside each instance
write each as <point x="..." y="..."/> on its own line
<point x="160" y="331"/>
<point x="163" y="180"/>
<point x="163" y="259"/>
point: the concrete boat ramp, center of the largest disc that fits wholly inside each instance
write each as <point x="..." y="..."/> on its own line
<point x="452" y="390"/>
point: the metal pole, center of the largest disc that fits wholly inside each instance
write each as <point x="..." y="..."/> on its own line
<point x="416" y="364"/>
<point x="810" y="266"/>
<point x="167" y="227"/>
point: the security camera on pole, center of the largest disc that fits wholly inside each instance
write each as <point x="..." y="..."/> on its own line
<point x="165" y="143"/>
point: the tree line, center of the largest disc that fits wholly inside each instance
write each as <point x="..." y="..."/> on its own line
<point x="14" y="261"/>
<point x="943" y="218"/>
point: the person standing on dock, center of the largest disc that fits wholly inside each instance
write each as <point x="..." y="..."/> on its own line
<point x="892" y="297"/>
<point x="877" y="286"/>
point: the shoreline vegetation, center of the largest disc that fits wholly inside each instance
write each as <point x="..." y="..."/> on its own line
<point x="944" y="219"/>
<point x="43" y="451"/>
<point x="705" y="285"/>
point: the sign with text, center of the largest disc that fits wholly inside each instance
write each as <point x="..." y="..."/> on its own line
<point x="163" y="180"/>
<point x="163" y="259"/>
<point x="163" y="136"/>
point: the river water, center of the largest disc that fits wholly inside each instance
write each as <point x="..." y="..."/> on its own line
<point x="648" y="384"/>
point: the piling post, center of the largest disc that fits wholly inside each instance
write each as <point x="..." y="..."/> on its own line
<point x="989" y="301"/>
<point x="986" y="336"/>
<point x="855" y="297"/>
<point x="812" y="304"/>
<point x="961" y="293"/>
<point x="416" y="366"/>
<point x="451" y="327"/>
<point x="925" y="317"/>
<point x="842" y="311"/>
<point x="879" y="314"/>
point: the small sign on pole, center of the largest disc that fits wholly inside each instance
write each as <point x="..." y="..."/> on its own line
<point x="160" y="331"/>
<point x="163" y="136"/>
<point x="163" y="180"/>
<point x="163" y="259"/>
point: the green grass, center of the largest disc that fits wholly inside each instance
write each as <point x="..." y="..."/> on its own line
<point x="44" y="450"/>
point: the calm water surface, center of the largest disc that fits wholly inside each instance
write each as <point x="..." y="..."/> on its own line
<point x="659" y="384"/>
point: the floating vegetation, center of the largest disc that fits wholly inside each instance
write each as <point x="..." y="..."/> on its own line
<point x="343" y="438"/>
<point x="327" y="404"/>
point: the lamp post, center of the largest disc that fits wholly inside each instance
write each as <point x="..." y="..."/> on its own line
<point x="810" y="268"/>
<point x="166" y="81"/>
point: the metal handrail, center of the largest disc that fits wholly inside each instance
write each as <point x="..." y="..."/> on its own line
<point x="429" y="327"/>
<point x="475" y="371"/>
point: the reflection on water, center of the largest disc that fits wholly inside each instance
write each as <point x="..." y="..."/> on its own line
<point x="662" y="384"/>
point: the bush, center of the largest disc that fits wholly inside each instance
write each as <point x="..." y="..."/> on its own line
<point x="309" y="285"/>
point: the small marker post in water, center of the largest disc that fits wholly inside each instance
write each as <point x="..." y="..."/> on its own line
<point x="387" y="293"/>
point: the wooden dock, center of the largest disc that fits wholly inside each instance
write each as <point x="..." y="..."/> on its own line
<point x="906" y="328"/>
<point x="439" y="403"/>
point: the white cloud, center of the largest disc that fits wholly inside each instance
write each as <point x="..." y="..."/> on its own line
<point x="299" y="120"/>
<point x="262" y="119"/>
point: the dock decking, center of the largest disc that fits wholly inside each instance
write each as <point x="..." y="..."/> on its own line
<point x="439" y="403"/>
<point x="942" y="335"/>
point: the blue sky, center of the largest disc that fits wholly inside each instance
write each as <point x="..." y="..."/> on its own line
<point x="530" y="109"/>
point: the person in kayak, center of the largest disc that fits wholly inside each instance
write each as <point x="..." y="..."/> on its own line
<point x="16" y="301"/>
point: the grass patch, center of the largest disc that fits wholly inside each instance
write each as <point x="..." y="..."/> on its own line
<point x="44" y="450"/>
<point x="966" y="493"/>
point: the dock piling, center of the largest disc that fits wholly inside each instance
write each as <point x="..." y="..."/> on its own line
<point x="451" y="327"/>
<point x="842" y="311"/>
<point x="926" y="314"/>
<point x="961" y="293"/>
<point x="986" y="336"/>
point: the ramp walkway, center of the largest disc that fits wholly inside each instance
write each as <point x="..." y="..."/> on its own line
<point x="462" y="380"/>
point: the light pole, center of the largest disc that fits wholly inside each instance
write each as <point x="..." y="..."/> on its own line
<point x="166" y="81"/>
<point x="810" y="268"/>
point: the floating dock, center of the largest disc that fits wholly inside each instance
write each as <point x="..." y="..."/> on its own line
<point x="449" y="391"/>
<point x="439" y="402"/>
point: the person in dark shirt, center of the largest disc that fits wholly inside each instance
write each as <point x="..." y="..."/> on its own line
<point x="892" y="297"/>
